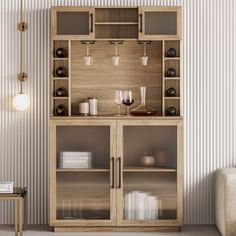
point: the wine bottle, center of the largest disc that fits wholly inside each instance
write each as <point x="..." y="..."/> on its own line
<point x="170" y="72"/>
<point x="60" y="92"/>
<point x="61" y="52"/>
<point x="171" y="92"/>
<point x="61" y="110"/>
<point x="61" y="71"/>
<point x="171" y="111"/>
<point x="170" y="52"/>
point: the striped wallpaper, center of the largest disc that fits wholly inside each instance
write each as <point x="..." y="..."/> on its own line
<point x="209" y="28"/>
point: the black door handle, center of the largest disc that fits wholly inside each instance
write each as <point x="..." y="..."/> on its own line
<point x="91" y="22"/>
<point x="119" y="165"/>
<point x="141" y="23"/>
<point x="113" y="172"/>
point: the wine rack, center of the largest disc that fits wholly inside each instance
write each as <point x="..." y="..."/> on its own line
<point x="171" y="75"/>
<point x="61" y="80"/>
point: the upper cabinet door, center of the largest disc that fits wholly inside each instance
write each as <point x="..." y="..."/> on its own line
<point x="73" y="23"/>
<point x="157" y="23"/>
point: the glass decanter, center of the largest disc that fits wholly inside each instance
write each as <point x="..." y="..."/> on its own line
<point x="143" y="109"/>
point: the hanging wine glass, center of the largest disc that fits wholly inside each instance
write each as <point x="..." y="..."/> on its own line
<point x="88" y="59"/>
<point x="116" y="57"/>
<point x="144" y="58"/>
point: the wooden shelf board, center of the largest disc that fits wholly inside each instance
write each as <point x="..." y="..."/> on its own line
<point x="148" y="169"/>
<point x="82" y="170"/>
<point x="116" y="23"/>
<point x="172" y="58"/>
<point x="61" y="98"/>
<point x="60" y="58"/>
<point x="117" y="39"/>
<point x="60" y="78"/>
<point x="172" y="98"/>
<point x="172" y="78"/>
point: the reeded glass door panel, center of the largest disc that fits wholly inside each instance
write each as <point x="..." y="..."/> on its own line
<point x="149" y="173"/>
<point x="150" y="196"/>
<point x="92" y="139"/>
<point x="83" y="173"/>
<point x="83" y="196"/>
<point x="150" y="146"/>
<point x="160" y="23"/>
<point x="73" y="23"/>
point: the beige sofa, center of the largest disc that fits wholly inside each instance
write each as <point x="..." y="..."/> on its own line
<point x="225" y="202"/>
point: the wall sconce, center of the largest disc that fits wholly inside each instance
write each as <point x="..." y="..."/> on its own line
<point x="88" y="59"/>
<point x="21" y="101"/>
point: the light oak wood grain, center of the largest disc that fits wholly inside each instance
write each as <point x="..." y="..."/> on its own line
<point x="103" y="75"/>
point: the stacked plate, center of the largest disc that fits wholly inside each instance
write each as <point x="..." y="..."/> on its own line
<point x="75" y="160"/>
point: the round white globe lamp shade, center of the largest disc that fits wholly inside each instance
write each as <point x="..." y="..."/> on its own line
<point x="21" y="102"/>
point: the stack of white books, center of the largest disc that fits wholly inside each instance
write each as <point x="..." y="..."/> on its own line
<point x="75" y="160"/>
<point x="142" y="206"/>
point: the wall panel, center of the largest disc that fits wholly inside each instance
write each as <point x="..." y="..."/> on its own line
<point x="209" y="100"/>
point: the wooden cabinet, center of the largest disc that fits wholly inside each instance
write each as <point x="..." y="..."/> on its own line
<point x="119" y="191"/>
<point x="73" y="23"/>
<point x="98" y="196"/>
<point x="156" y="23"/>
<point x="86" y="196"/>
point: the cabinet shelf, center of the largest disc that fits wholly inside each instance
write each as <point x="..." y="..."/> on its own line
<point x="61" y="98"/>
<point x="82" y="170"/>
<point x="172" y="98"/>
<point x="171" y="58"/>
<point x="60" y="58"/>
<point x="60" y="78"/>
<point x="116" y="23"/>
<point x="150" y="169"/>
<point x="172" y="78"/>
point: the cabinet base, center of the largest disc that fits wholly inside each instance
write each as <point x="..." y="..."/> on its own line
<point x="119" y="229"/>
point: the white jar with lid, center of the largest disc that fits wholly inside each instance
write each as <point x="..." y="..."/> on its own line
<point x="83" y="108"/>
<point x="93" y="106"/>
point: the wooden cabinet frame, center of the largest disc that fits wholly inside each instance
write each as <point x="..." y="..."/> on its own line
<point x="116" y="193"/>
<point x="55" y="36"/>
<point x="53" y="172"/>
<point x="116" y="124"/>
<point x="178" y="125"/>
<point x="143" y="36"/>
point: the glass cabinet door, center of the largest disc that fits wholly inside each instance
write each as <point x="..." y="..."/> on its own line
<point x="159" y="23"/>
<point x="83" y="163"/>
<point x="150" y="171"/>
<point x="73" y="23"/>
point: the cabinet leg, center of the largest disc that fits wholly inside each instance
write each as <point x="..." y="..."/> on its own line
<point x="25" y="212"/>
<point x="20" y="215"/>
<point x="16" y="217"/>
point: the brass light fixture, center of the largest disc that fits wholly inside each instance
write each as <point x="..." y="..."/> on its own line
<point x="21" y="101"/>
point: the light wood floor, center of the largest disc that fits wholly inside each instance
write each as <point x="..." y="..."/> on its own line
<point x="45" y="231"/>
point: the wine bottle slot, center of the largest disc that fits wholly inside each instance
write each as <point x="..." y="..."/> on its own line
<point x="61" y="52"/>
<point x="61" y="71"/>
<point x="171" y="72"/>
<point x="61" y="92"/>
<point x="171" y="92"/>
<point x="171" y="111"/>
<point x="170" y="52"/>
<point x="61" y="110"/>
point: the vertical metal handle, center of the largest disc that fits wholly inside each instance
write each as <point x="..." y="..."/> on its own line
<point x="91" y="22"/>
<point x="113" y="172"/>
<point x="141" y="23"/>
<point x="119" y="166"/>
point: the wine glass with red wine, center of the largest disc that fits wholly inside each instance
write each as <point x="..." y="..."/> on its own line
<point x="127" y="100"/>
